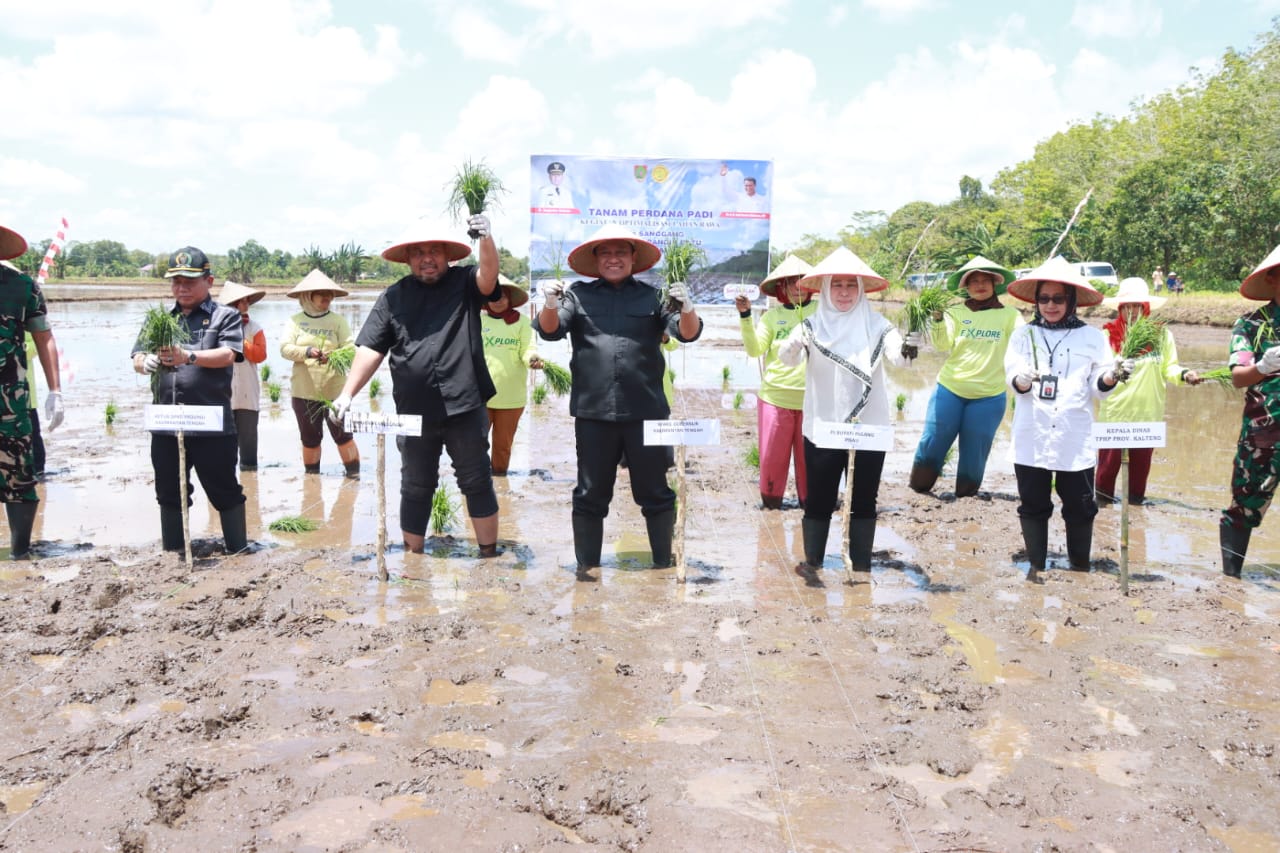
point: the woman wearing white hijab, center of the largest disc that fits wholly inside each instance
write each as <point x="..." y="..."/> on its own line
<point x="846" y="344"/>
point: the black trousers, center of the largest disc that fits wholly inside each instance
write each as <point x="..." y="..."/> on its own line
<point x="825" y="467"/>
<point x="247" y="436"/>
<point x="213" y="457"/>
<point x="601" y="445"/>
<point x="1075" y="490"/>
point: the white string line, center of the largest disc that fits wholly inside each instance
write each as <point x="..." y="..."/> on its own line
<point x="867" y="740"/>
<point x="48" y="795"/>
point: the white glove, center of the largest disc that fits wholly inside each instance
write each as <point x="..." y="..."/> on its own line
<point x="53" y="410"/>
<point x="1024" y="380"/>
<point x="913" y="339"/>
<point x="150" y="363"/>
<point x="339" y="409"/>
<point x="551" y="294"/>
<point x="478" y="225"/>
<point x="791" y="350"/>
<point x="1123" y="369"/>
<point x="1269" y="364"/>
<point x="679" y="291"/>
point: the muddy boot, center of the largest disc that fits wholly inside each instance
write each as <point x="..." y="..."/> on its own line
<point x="1079" y="542"/>
<point x="171" y="538"/>
<point x="1235" y="544"/>
<point x="311" y="460"/>
<point x="862" y="534"/>
<point x="1035" y="537"/>
<point x="661" y="527"/>
<point x="22" y="517"/>
<point x="966" y="488"/>
<point x="767" y="502"/>
<point x="350" y="455"/>
<point x="922" y="478"/>
<point x="234" y="537"/>
<point x="588" y="535"/>
<point x="815" y="541"/>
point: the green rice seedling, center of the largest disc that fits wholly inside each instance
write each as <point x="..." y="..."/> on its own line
<point x="752" y="456"/>
<point x="375" y="387"/>
<point x="1221" y="375"/>
<point x="292" y="524"/>
<point x="273" y="391"/>
<point x="557" y="378"/>
<point x="901" y="401"/>
<point x="342" y="358"/>
<point x="725" y="374"/>
<point x="473" y="188"/>
<point x="161" y="329"/>
<point x="924" y="306"/>
<point x="110" y="412"/>
<point x="738" y="399"/>
<point x="679" y="258"/>
<point x="1141" y="337"/>
<point x="539" y="393"/>
<point x="444" y="510"/>
<point x="265" y="372"/>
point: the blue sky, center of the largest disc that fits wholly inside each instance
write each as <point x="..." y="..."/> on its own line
<point x="295" y="122"/>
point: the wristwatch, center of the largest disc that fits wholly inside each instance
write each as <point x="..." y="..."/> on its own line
<point x="191" y="357"/>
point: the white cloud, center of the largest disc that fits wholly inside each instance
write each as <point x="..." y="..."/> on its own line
<point x="1121" y="19"/>
<point x="30" y="175"/>
<point x="836" y="15"/>
<point x="897" y="9"/>
<point x="477" y="37"/>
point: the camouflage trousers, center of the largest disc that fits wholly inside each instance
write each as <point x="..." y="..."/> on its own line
<point x="17" y="461"/>
<point x="1255" y="473"/>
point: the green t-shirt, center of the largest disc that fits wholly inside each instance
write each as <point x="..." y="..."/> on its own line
<point x="781" y="385"/>
<point x="977" y="341"/>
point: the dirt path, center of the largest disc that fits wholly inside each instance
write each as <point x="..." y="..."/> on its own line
<point x="285" y="700"/>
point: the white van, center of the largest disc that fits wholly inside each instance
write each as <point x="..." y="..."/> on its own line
<point x="1101" y="270"/>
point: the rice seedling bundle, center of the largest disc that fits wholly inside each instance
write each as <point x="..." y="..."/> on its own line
<point x="558" y="379"/>
<point x="1143" y="336"/>
<point x="342" y="358"/>
<point x="444" y="510"/>
<point x="1221" y="375"/>
<point x="925" y="305"/>
<point x="292" y="524"/>
<point x="474" y="186"/>
<point x="265" y="371"/>
<point x="679" y="258"/>
<point x="161" y="329"/>
<point x="539" y="394"/>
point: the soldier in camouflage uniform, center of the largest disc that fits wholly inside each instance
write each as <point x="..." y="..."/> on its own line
<point x="1255" y="365"/>
<point x="22" y="310"/>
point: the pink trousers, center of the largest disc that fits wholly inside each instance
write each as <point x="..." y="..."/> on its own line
<point x="780" y="440"/>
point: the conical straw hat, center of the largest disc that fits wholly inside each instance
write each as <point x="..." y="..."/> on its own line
<point x="791" y="267"/>
<point x="1056" y="269"/>
<point x="426" y="231"/>
<point x="582" y="260"/>
<point x="314" y="282"/>
<point x="844" y="262"/>
<point x="1255" y="284"/>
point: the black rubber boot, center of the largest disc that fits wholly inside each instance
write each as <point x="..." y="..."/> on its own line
<point x="353" y="470"/>
<point x="1235" y="544"/>
<point x="171" y="528"/>
<point x="661" y="528"/>
<point x="922" y="478"/>
<point x="588" y="536"/>
<point x="234" y="537"/>
<point x="815" y="532"/>
<point x="22" y="517"/>
<point x="862" y="535"/>
<point x="966" y="488"/>
<point x="1079" y="543"/>
<point x="1035" y="537"/>
<point x="311" y="469"/>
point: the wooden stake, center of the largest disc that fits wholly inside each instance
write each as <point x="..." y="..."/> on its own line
<point x="382" y="508"/>
<point x="182" y="497"/>
<point x="1124" y="522"/>
<point x="846" y="515"/>
<point x="681" y="505"/>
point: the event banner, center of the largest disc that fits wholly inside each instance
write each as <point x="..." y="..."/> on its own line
<point x="722" y="206"/>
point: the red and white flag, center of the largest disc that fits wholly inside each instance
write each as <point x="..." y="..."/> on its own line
<point x="55" y="246"/>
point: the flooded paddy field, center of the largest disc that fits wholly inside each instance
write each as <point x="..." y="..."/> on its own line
<point x="287" y="700"/>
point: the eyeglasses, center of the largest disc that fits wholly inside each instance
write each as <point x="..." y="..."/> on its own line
<point x="1056" y="299"/>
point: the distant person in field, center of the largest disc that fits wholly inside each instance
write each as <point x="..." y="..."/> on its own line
<point x="1157" y="280"/>
<point x="1255" y="366"/>
<point x="246" y="390"/>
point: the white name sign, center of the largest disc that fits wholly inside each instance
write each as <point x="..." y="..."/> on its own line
<point x="727" y="401"/>
<point x="837" y="436"/>
<point x="383" y="423"/>
<point x="1121" y="435"/>
<point x="689" y="431"/>
<point x="733" y="291"/>
<point x="183" y="417"/>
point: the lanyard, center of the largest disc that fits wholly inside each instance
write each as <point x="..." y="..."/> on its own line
<point x="1052" y="349"/>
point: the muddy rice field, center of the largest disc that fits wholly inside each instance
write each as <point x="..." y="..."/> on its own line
<point x="286" y="699"/>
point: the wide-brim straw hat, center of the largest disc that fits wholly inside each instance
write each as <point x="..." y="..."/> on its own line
<point x="425" y="231"/>
<point x="955" y="281"/>
<point x="1133" y="291"/>
<point x="790" y="268"/>
<point x="582" y="260"/>
<point x="1057" y="269"/>
<point x="233" y="291"/>
<point x="12" y="244"/>
<point x="844" y="262"/>
<point x="316" y="282"/>
<point x="1255" y="284"/>
<point x="516" y="294"/>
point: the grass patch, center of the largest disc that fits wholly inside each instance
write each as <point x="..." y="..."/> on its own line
<point x="292" y="524"/>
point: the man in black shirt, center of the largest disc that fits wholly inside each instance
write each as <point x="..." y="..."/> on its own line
<point x="616" y="323"/>
<point x="197" y="374"/>
<point x="429" y="323"/>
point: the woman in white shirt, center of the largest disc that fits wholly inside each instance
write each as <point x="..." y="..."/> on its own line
<point x="846" y="343"/>
<point x="1057" y="365"/>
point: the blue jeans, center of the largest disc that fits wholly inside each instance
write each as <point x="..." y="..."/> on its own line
<point x="974" y="421"/>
